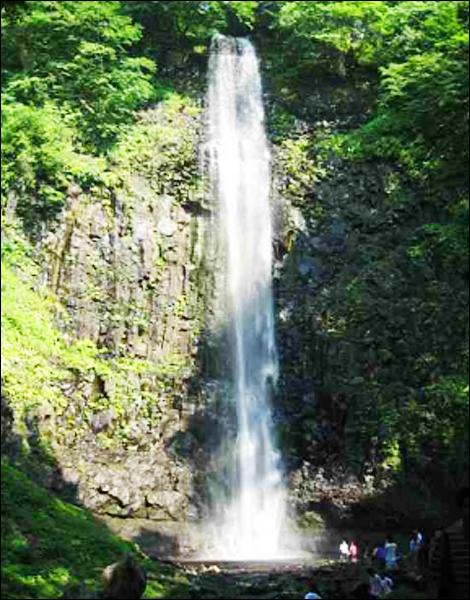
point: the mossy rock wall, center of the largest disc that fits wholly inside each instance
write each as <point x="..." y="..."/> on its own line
<point x="130" y="265"/>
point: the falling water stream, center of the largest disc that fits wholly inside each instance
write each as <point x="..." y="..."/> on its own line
<point x="254" y="516"/>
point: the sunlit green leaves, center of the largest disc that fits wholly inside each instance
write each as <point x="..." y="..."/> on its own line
<point x="414" y="28"/>
<point x="40" y="158"/>
<point x="76" y="54"/>
<point x="163" y="147"/>
<point x="245" y="10"/>
<point x="300" y="172"/>
<point x="375" y="31"/>
<point x="53" y="30"/>
<point x="104" y="88"/>
<point x="421" y="52"/>
<point x="29" y="343"/>
<point x="70" y="88"/>
<point x="48" y="544"/>
<point x="33" y="139"/>
<point x="347" y="26"/>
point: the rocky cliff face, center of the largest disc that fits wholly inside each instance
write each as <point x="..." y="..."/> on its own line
<point x="131" y="266"/>
<point x="126" y="268"/>
<point x="344" y="233"/>
<point x="136" y="266"/>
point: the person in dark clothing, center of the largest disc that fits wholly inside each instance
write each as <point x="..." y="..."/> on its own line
<point x="367" y="554"/>
<point x="449" y="556"/>
<point x="124" y="581"/>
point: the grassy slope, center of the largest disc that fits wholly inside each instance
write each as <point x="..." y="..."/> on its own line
<point x="51" y="549"/>
<point x="47" y="544"/>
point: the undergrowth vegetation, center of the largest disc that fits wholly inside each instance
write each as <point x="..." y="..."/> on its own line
<point x="52" y="549"/>
<point x="37" y="360"/>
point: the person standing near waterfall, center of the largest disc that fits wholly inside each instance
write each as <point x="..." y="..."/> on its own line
<point x="314" y="593"/>
<point x="449" y="556"/>
<point x="391" y="553"/>
<point x="416" y="542"/>
<point x="344" y="550"/>
<point x="353" y="552"/>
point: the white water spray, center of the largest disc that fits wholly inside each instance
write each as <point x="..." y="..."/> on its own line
<point x="252" y="521"/>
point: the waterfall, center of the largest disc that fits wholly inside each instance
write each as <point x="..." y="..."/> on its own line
<point x="253" y="516"/>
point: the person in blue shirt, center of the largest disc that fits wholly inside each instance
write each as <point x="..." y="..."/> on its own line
<point x="314" y="594"/>
<point x="391" y="553"/>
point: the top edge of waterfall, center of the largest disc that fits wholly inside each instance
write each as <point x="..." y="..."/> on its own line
<point x="223" y="44"/>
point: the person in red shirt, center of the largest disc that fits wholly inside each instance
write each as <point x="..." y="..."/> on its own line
<point x="354" y="552"/>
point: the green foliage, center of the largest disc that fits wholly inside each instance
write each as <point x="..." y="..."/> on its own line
<point x="174" y="27"/>
<point x="412" y="28"/>
<point x="245" y="10"/>
<point x="17" y="251"/>
<point x="312" y="522"/>
<point x="422" y="100"/>
<point x="51" y="549"/>
<point x="76" y="54"/>
<point x="34" y="140"/>
<point x="69" y="86"/>
<point x="373" y="32"/>
<point x="104" y="90"/>
<point x="427" y="95"/>
<point x="300" y="172"/>
<point x="420" y="50"/>
<point x="39" y="161"/>
<point x="29" y="345"/>
<point x="13" y="5"/>
<point x="47" y="544"/>
<point x="48" y="33"/>
<point x="163" y="147"/>
<point x="344" y="25"/>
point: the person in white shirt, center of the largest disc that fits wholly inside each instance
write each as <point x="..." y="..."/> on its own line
<point x="344" y="550"/>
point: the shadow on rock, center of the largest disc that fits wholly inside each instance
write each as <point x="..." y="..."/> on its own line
<point x="158" y="545"/>
<point x="24" y="446"/>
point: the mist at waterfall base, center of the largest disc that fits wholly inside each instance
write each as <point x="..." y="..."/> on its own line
<point x="250" y="521"/>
